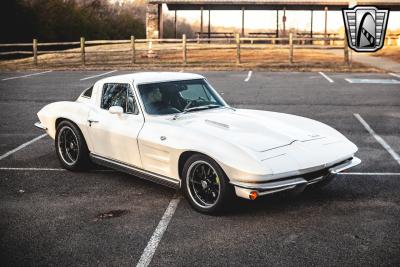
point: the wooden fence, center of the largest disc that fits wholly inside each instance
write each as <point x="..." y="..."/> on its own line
<point x="237" y="43"/>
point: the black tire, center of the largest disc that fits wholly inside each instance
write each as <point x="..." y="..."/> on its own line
<point x="208" y="184"/>
<point x="68" y="139"/>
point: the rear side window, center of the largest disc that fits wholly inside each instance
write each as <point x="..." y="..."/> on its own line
<point x="118" y="94"/>
<point x="88" y="92"/>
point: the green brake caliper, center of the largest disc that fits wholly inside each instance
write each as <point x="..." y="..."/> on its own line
<point x="217" y="179"/>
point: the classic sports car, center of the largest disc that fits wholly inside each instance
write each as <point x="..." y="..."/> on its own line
<point x="176" y="130"/>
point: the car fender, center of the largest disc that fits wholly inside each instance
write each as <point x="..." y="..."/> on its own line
<point x="162" y="144"/>
<point x="74" y="111"/>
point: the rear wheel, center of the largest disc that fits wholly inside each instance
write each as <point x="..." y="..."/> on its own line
<point x="71" y="147"/>
<point x="205" y="185"/>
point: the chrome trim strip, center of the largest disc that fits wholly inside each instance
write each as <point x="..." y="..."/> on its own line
<point x="263" y="193"/>
<point x="219" y="124"/>
<point x="316" y="180"/>
<point x="40" y="126"/>
<point x="271" y="185"/>
<point x="160" y="179"/>
<point x="346" y="165"/>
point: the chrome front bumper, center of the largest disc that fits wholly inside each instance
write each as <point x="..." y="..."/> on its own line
<point x="40" y="126"/>
<point x="299" y="183"/>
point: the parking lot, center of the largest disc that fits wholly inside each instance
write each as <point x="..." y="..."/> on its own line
<point x="50" y="216"/>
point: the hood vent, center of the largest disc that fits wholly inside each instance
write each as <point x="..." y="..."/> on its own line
<point x="219" y="124"/>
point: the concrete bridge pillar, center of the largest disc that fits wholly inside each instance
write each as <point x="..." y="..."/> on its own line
<point x="154" y="22"/>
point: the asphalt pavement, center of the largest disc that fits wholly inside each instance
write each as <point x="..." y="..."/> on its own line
<point x="50" y="216"/>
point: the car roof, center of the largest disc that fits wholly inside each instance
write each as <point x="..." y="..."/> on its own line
<point x="151" y="77"/>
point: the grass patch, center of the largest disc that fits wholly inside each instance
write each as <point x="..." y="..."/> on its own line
<point x="390" y="52"/>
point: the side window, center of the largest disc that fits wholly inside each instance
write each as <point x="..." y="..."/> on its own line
<point x="88" y="92"/>
<point x="118" y="94"/>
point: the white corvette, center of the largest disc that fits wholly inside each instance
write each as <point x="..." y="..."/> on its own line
<point x="176" y="130"/>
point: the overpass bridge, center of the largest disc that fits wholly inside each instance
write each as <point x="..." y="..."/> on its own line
<point x="154" y="16"/>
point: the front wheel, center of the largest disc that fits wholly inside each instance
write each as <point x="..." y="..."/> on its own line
<point x="71" y="147"/>
<point x="205" y="185"/>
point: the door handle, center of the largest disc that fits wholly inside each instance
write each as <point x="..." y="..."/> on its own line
<point x="92" y="121"/>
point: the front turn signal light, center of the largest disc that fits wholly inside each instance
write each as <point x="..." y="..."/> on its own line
<point x="253" y="195"/>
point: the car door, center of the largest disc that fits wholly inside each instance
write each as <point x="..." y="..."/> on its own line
<point x="114" y="136"/>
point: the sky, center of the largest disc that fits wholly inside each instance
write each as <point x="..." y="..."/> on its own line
<point x="300" y="20"/>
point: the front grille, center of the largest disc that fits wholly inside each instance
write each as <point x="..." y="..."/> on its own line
<point x="312" y="175"/>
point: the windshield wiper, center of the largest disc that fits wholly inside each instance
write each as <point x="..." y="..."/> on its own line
<point x="187" y="109"/>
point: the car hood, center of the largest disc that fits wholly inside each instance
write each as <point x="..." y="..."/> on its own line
<point x="258" y="131"/>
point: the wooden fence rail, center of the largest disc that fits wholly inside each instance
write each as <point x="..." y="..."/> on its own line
<point x="237" y="43"/>
<point x="188" y="40"/>
<point x="58" y="44"/>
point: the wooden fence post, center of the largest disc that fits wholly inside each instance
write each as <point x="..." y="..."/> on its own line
<point x="290" y="48"/>
<point x="184" y="49"/>
<point x="34" y="44"/>
<point x="237" y="48"/>
<point x="133" y="49"/>
<point x="83" y="51"/>
<point x="346" y="51"/>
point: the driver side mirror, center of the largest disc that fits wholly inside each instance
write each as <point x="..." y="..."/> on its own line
<point x="116" y="110"/>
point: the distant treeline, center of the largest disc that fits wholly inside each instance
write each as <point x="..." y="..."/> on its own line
<point x="67" y="20"/>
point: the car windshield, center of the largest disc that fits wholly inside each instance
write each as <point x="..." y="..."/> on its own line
<point x="178" y="96"/>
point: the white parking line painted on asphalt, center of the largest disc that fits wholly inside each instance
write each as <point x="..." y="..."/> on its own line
<point x="248" y="76"/>
<point x="326" y="77"/>
<point x="27" y="75"/>
<point x="378" y="138"/>
<point x="373" y="81"/>
<point x="395" y="75"/>
<point x="98" y="75"/>
<point x="370" y="173"/>
<point x="43" y="169"/>
<point x="155" y="239"/>
<point x="30" y="169"/>
<point x="22" y="146"/>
